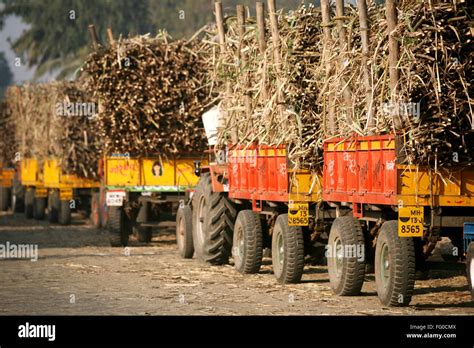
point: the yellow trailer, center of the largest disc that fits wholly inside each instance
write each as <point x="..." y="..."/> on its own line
<point x="66" y="192"/>
<point x="139" y="192"/>
<point x="6" y="184"/>
<point x="31" y="178"/>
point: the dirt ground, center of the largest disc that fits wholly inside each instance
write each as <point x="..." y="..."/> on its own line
<point x="78" y="273"/>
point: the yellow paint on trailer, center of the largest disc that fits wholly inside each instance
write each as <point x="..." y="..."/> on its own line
<point x="7" y="177"/>
<point x="51" y="173"/>
<point x="122" y="171"/>
<point x="422" y="187"/>
<point x="305" y="186"/>
<point x="30" y="175"/>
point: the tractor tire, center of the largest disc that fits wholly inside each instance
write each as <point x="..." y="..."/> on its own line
<point x="64" y="213"/>
<point x="470" y="268"/>
<point x="394" y="266"/>
<point x="184" y="232"/>
<point x="29" y="202"/>
<point x="346" y="272"/>
<point x="287" y="251"/>
<point x="5" y="193"/>
<point x="117" y="227"/>
<point x="144" y="234"/>
<point x="39" y="208"/>
<point x="214" y="216"/>
<point x="53" y="206"/>
<point x="247" y="247"/>
<point x="95" y="216"/>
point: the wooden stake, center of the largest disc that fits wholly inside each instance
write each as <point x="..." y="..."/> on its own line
<point x="326" y="14"/>
<point x="393" y="55"/>
<point x="110" y="35"/>
<point x="276" y="53"/>
<point x="364" y="33"/>
<point x="346" y="92"/>
<point x="262" y="44"/>
<point x="243" y="63"/>
<point x="234" y="135"/>
<point x="95" y="41"/>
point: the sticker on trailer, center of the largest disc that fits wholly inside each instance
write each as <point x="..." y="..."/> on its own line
<point x="298" y="214"/>
<point x="410" y="221"/>
<point x="115" y="198"/>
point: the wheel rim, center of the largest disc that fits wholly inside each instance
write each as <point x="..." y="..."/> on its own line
<point x="280" y="250"/>
<point x="339" y="257"/>
<point x="239" y="244"/>
<point x="180" y="236"/>
<point x="384" y="265"/>
<point x="200" y="222"/>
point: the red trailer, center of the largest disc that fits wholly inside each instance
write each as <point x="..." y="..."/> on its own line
<point x="399" y="213"/>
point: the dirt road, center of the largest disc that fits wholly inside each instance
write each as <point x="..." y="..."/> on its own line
<point x="78" y="273"/>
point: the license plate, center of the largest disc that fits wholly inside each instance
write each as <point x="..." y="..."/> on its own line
<point x="115" y="198"/>
<point x="298" y="214"/>
<point x="410" y="221"/>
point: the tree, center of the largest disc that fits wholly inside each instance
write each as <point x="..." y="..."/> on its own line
<point x="6" y="76"/>
<point x="58" y="36"/>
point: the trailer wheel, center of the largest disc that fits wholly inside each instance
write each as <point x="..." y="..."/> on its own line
<point x="95" y="210"/>
<point x="184" y="232"/>
<point x="247" y="245"/>
<point x="64" y="212"/>
<point x="53" y="206"/>
<point x="39" y="208"/>
<point x="470" y="268"/>
<point x="18" y="197"/>
<point x="117" y="227"/>
<point x="394" y="266"/>
<point x="4" y="198"/>
<point x="346" y="267"/>
<point x="29" y="202"/>
<point x="214" y="216"/>
<point x="287" y="251"/>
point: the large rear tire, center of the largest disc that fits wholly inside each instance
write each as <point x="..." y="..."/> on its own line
<point x="287" y="251"/>
<point x="394" y="266"/>
<point x="117" y="227"/>
<point x="184" y="232"/>
<point x="346" y="257"/>
<point x="53" y="206"/>
<point x="470" y="268"/>
<point x="214" y="216"/>
<point x="5" y="193"/>
<point x="18" y="197"/>
<point x="247" y="247"/>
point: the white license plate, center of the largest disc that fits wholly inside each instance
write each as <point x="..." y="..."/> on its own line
<point x="115" y="199"/>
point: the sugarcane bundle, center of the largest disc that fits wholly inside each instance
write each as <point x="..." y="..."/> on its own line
<point x="56" y="120"/>
<point x="152" y="93"/>
<point x="7" y="141"/>
<point x="432" y="108"/>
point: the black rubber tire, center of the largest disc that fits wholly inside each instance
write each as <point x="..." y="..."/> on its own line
<point x="29" y="202"/>
<point x="213" y="230"/>
<point x="397" y="289"/>
<point x="53" y="206"/>
<point x="64" y="212"/>
<point x="39" y="208"/>
<point x="4" y="198"/>
<point x="247" y="247"/>
<point x="289" y="270"/>
<point x="470" y="268"/>
<point x="95" y="217"/>
<point x="347" y="278"/>
<point x="18" y="197"/>
<point x="144" y="234"/>
<point x="117" y="227"/>
<point x="184" y="232"/>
